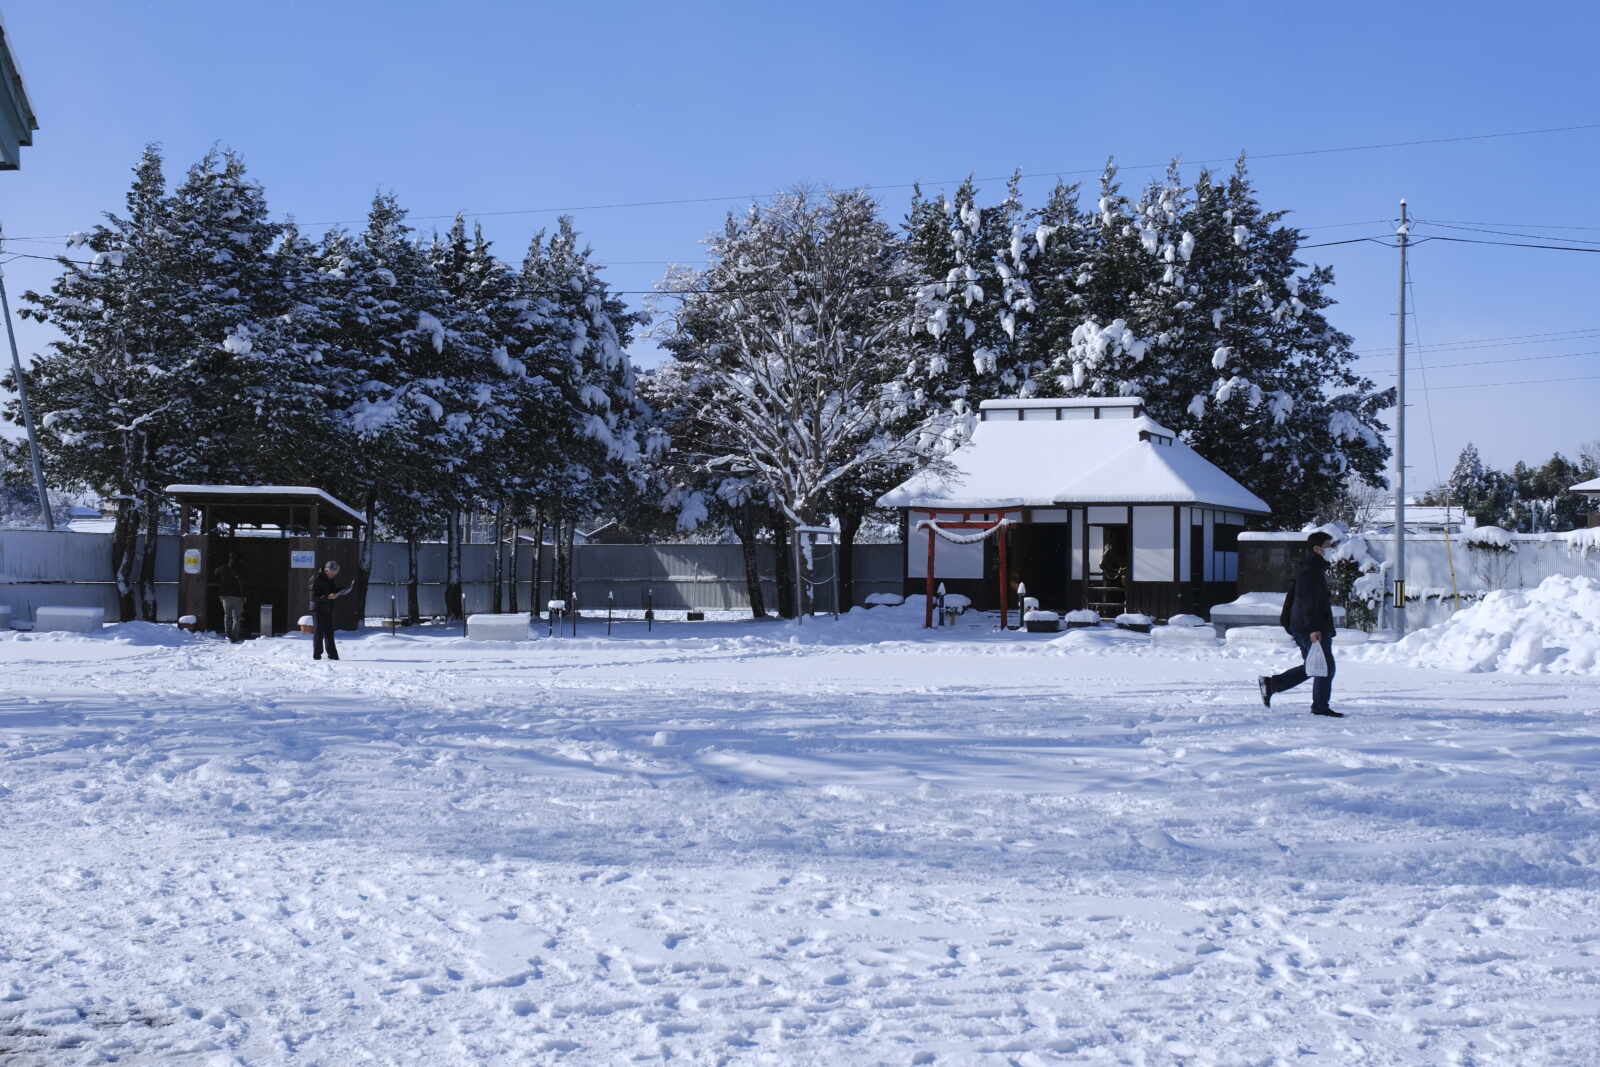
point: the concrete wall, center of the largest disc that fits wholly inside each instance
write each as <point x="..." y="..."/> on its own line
<point x="38" y="567"/>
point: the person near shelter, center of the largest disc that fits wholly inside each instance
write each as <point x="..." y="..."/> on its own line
<point x="230" y="590"/>
<point x="1308" y="616"/>
<point x="325" y="589"/>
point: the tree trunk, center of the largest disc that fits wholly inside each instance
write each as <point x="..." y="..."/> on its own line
<point x="368" y="547"/>
<point x="499" y="556"/>
<point x="124" y="543"/>
<point x="537" y="606"/>
<point x="785" y="569"/>
<point x="413" y="599"/>
<point x="571" y="575"/>
<point x="558" y="566"/>
<point x="514" y="565"/>
<point x="452" y="583"/>
<point x="147" y="561"/>
<point x="845" y="557"/>
<point x="746" y="528"/>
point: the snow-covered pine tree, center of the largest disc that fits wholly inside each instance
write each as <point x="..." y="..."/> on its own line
<point x="1468" y="484"/>
<point x="106" y="394"/>
<point x="1199" y="305"/>
<point x="597" y="426"/>
<point x="971" y="289"/>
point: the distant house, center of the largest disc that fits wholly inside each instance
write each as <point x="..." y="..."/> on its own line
<point x="1423" y="519"/>
<point x="1590" y="489"/>
<point x="1088" y="502"/>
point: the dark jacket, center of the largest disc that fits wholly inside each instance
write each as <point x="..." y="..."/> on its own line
<point x="322" y="590"/>
<point x="1308" y="608"/>
<point x="229" y="581"/>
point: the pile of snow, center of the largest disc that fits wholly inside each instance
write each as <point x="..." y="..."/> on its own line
<point x="1083" y="617"/>
<point x="1134" y="618"/>
<point x="1551" y="629"/>
<point x="1489" y="537"/>
<point x="1175" y="632"/>
<point x="888" y="600"/>
<point x="1187" y="620"/>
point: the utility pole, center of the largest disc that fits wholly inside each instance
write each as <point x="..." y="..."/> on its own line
<point x="1399" y="573"/>
<point x="27" y="412"/>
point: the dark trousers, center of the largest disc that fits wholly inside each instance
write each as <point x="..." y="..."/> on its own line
<point x="324" y="637"/>
<point x="1321" y="688"/>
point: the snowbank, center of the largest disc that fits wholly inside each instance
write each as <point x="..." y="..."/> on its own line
<point x="1551" y="629"/>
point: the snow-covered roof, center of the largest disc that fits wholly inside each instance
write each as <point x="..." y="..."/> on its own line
<point x="1591" y="486"/>
<point x="306" y="493"/>
<point x="1046" y="462"/>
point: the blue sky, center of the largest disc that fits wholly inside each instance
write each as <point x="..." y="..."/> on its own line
<point x="501" y="107"/>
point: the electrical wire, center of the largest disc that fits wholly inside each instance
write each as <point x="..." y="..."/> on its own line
<point x="1501" y="362"/>
<point x="1299" y="153"/>
<point x="1504" y="244"/>
<point x="1521" y="381"/>
<point x="1503" y="233"/>
<point x="1427" y="398"/>
<point x="1463" y="344"/>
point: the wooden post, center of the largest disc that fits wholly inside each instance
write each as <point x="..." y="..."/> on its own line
<point x="1005" y="593"/>
<point x="927" y="612"/>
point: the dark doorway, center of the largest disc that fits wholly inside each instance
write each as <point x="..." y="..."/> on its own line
<point x="1110" y="564"/>
<point x="1041" y="558"/>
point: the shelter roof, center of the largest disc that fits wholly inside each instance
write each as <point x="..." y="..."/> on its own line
<point x="267" y="504"/>
<point x="1045" y="462"/>
<point x="1591" y="486"/>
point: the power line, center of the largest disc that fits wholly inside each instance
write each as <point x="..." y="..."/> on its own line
<point x="1503" y="233"/>
<point x="1513" y="359"/>
<point x="1427" y="398"/>
<point x="1298" y="153"/>
<point x="1504" y="341"/>
<point x="1518" y="225"/>
<point x="1522" y="381"/>
<point x="1505" y="244"/>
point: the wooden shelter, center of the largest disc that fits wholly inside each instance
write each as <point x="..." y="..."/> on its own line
<point x="280" y="535"/>
<point x="1087" y="502"/>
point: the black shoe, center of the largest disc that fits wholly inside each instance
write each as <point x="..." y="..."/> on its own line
<point x="1329" y="712"/>
<point x="316" y="657"/>
<point x="1265" y="684"/>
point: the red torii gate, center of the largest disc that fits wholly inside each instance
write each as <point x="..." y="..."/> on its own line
<point x="986" y="528"/>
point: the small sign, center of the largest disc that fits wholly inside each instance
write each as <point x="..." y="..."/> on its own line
<point x="302" y="560"/>
<point x="191" y="561"/>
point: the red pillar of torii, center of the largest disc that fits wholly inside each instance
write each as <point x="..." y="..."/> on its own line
<point x="967" y="522"/>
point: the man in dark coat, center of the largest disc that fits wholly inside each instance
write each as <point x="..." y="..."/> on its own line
<point x="325" y="589"/>
<point x="230" y="590"/>
<point x="1308" y="616"/>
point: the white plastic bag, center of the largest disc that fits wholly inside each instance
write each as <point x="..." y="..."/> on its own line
<point x="1316" y="662"/>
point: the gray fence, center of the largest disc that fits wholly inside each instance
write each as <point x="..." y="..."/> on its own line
<point x="39" y="568"/>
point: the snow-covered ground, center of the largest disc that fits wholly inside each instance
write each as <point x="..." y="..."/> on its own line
<point x="735" y="843"/>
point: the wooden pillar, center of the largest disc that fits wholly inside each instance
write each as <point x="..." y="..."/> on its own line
<point x="1005" y="591"/>
<point x="927" y="611"/>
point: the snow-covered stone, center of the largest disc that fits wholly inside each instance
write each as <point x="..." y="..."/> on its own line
<point x="1083" y="617"/>
<point x="1186" y="620"/>
<point x="885" y="600"/>
<point x="68" y="620"/>
<point x="505" y="627"/>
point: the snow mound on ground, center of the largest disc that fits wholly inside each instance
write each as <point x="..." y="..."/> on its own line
<point x="1551" y="629"/>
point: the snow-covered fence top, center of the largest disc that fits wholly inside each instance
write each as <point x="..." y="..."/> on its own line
<point x="64" y="569"/>
<point x="1482" y="560"/>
